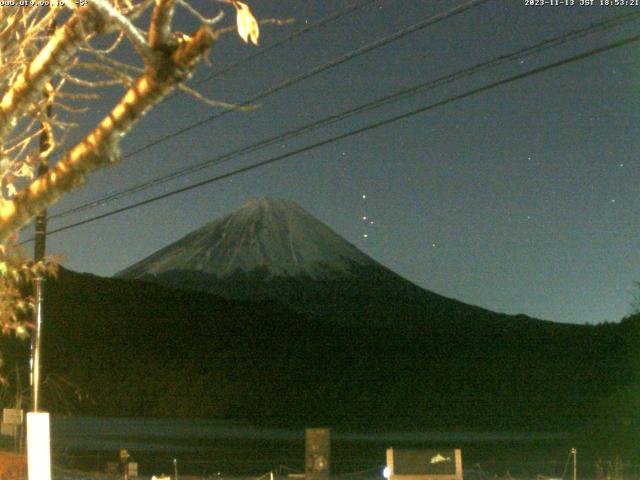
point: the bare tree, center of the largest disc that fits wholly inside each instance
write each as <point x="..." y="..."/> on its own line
<point x="42" y="66"/>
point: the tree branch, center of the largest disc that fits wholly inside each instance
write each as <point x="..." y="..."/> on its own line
<point x="101" y="147"/>
<point x="114" y="18"/>
<point x="160" y="29"/>
<point x="53" y="58"/>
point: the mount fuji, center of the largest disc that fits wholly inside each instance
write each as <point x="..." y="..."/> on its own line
<point x="275" y="237"/>
<point x="272" y="249"/>
<point x="314" y="332"/>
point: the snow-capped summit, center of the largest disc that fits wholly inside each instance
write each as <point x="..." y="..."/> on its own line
<point x="273" y="250"/>
<point x="276" y="237"/>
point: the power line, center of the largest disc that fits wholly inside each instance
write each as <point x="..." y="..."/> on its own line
<point x="414" y="90"/>
<point x="308" y="28"/>
<point x="312" y="26"/>
<point x="316" y="71"/>
<point x="381" y="123"/>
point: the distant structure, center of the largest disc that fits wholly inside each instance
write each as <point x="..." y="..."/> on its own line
<point x="424" y="464"/>
<point x="317" y="453"/>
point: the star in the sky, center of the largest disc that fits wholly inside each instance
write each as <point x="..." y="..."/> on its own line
<point x="364" y="217"/>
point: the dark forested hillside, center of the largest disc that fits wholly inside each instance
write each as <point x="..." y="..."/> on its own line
<point x="135" y="348"/>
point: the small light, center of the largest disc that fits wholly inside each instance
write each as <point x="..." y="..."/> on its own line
<point x="386" y="472"/>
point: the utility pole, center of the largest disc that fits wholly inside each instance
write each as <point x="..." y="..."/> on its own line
<point x="38" y="423"/>
<point x="39" y="249"/>
<point x="40" y="238"/>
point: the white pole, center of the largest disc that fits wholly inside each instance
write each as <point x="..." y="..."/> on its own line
<point x="38" y="446"/>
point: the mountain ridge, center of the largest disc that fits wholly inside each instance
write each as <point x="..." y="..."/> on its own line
<point x="271" y="249"/>
<point x="266" y="233"/>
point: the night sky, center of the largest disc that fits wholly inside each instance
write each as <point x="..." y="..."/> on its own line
<point x="521" y="199"/>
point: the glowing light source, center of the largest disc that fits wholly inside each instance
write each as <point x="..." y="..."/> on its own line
<point x="21" y="331"/>
<point x="386" y="472"/>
